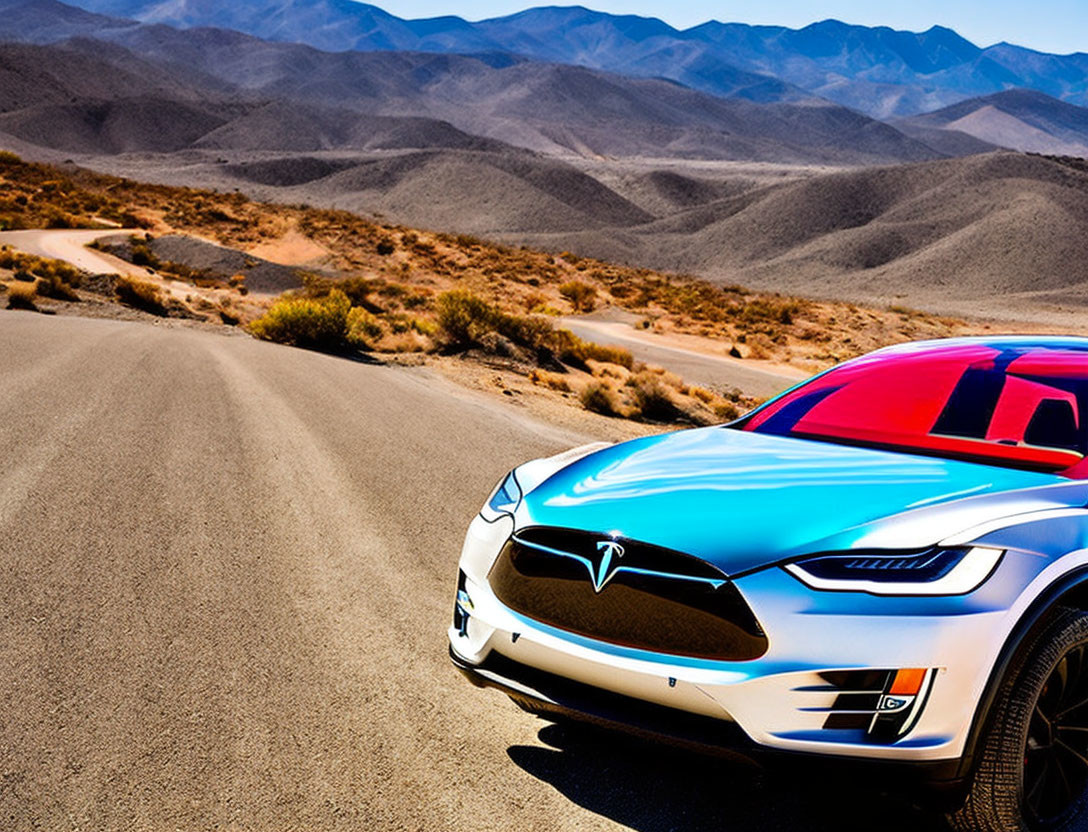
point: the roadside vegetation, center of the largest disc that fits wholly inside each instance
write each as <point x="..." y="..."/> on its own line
<point x="381" y="287"/>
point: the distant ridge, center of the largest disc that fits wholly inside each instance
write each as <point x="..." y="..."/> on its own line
<point x="1019" y="119"/>
<point x="497" y="98"/>
<point x="878" y="70"/>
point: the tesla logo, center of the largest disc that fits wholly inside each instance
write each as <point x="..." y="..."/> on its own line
<point x="608" y="550"/>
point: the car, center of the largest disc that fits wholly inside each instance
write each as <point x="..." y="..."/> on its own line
<point x="886" y="563"/>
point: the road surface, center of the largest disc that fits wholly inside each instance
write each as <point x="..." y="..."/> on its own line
<point x="70" y="245"/>
<point x="226" y="571"/>
<point x="715" y="371"/>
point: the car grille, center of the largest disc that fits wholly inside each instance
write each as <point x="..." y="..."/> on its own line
<point x="626" y="593"/>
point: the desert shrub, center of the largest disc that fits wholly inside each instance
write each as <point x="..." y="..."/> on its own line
<point x="464" y="317"/>
<point x="582" y="296"/>
<point x="574" y="351"/>
<point x="21" y="296"/>
<point x="140" y="294"/>
<point x="357" y="289"/>
<point x="600" y="398"/>
<point x="726" y="411"/>
<point x="54" y="287"/>
<point x="142" y="255"/>
<point x="311" y="323"/>
<point x="60" y="219"/>
<point x="553" y="381"/>
<point x="653" y="398"/>
<point x="702" y="394"/>
<point x="363" y="328"/>
<point x="385" y="247"/>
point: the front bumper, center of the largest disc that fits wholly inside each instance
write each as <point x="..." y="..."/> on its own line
<point x="780" y="701"/>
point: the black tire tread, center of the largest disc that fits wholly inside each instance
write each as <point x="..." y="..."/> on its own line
<point x="993" y="801"/>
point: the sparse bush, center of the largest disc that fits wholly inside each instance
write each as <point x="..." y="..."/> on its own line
<point x="142" y="255"/>
<point x="653" y="398"/>
<point x="553" y="381"/>
<point x="701" y="393"/>
<point x="140" y="294"/>
<point x="385" y="247"/>
<point x="465" y="319"/>
<point x="317" y="324"/>
<point x="357" y="289"/>
<point x="21" y="296"/>
<point x="600" y="398"/>
<point x="574" y="351"/>
<point x="54" y="287"/>
<point x="363" y="328"/>
<point x="582" y="296"/>
<point x="726" y="411"/>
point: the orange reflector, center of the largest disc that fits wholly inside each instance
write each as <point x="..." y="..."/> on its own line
<point x="908" y="681"/>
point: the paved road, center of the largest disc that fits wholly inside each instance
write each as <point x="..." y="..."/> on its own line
<point x="716" y="372"/>
<point x="226" y="569"/>
<point x="70" y="245"/>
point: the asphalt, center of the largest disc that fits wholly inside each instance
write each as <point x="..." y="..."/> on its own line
<point x="226" y="571"/>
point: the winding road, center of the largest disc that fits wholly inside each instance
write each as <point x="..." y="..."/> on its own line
<point x="226" y="571"/>
<point x="70" y="245"/>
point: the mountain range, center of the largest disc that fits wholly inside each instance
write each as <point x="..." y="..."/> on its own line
<point x="876" y="70"/>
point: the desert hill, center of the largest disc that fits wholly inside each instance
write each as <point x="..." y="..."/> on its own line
<point x="984" y="233"/>
<point x="1018" y="119"/>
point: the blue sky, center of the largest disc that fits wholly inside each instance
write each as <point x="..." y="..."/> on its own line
<point x="1048" y="25"/>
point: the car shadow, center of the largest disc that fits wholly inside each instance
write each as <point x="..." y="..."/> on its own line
<point x="654" y="788"/>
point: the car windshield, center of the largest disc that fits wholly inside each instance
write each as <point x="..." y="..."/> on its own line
<point x="1013" y="404"/>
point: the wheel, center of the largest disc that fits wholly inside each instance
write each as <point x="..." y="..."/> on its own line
<point x="1033" y="770"/>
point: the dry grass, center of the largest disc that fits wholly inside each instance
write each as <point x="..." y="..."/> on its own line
<point x="140" y="294"/>
<point x="553" y="381"/>
<point x="602" y="398"/>
<point x="21" y="295"/>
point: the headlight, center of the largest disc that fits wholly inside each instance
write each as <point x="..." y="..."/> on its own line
<point x="503" y="500"/>
<point x="937" y="571"/>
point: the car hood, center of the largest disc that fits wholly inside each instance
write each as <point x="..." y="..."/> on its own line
<point x="743" y="500"/>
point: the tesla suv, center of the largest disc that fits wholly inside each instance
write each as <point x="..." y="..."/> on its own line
<point x="888" y="562"/>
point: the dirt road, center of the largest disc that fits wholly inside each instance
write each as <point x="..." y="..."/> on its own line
<point x="226" y="570"/>
<point x="697" y="367"/>
<point x="70" y="245"/>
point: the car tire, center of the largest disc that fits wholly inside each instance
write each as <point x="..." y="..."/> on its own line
<point x="1008" y="766"/>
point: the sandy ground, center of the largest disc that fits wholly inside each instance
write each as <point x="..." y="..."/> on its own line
<point x="228" y="570"/>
